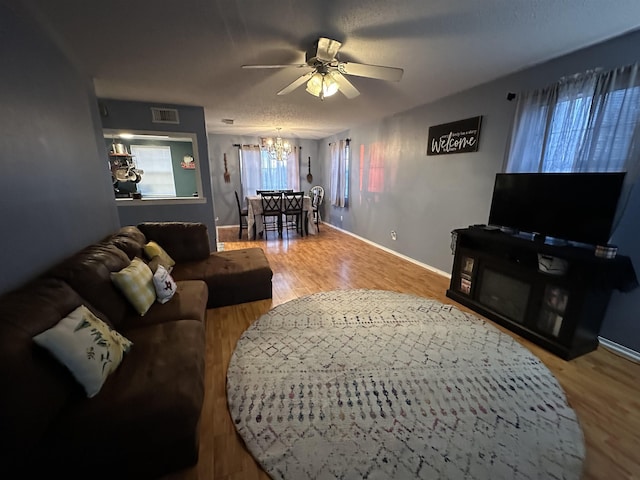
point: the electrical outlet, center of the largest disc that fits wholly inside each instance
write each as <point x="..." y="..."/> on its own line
<point x="394" y="235"/>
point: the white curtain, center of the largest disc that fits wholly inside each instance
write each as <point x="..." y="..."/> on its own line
<point x="293" y="169"/>
<point x="589" y="122"/>
<point x="585" y="123"/>
<point x="260" y="171"/>
<point x="274" y="172"/>
<point x="338" y="174"/>
<point x="250" y="169"/>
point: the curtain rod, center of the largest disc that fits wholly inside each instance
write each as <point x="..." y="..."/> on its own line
<point x="258" y="146"/>
<point x="348" y="140"/>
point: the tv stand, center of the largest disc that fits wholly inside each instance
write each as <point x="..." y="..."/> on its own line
<point x="496" y="274"/>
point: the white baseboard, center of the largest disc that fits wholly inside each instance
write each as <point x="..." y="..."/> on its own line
<point x="620" y="349"/>
<point x="393" y="252"/>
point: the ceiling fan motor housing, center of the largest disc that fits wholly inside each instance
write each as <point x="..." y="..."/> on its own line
<point x="321" y="54"/>
<point x="311" y="56"/>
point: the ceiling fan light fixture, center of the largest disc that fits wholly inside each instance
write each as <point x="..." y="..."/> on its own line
<point x="322" y="85"/>
<point x="330" y="86"/>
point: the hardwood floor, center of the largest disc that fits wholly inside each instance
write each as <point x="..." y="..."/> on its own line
<point x="602" y="387"/>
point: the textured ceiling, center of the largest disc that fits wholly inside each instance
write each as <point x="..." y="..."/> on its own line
<point x="191" y="51"/>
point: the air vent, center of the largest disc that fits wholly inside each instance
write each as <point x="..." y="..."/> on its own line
<point x="164" y="115"/>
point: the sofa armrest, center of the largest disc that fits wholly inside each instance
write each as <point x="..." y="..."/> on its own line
<point x="183" y="241"/>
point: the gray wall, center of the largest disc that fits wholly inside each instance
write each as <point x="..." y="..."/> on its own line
<point x="424" y="198"/>
<point x="224" y="198"/>
<point x="57" y="195"/>
<point x="126" y="115"/>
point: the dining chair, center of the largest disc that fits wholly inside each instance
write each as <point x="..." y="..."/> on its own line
<point x="243" y="214"/>
<point x="260" y="192"/>
<point x="317" y="196"/>
<point x="293" y="212"/>
<point x="271" y="212"/>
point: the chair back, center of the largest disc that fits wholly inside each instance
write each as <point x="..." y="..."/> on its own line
<point x="293" y="202"/>
<point x="271" y="202"/>
<point x="260" y="192"/>
<point x="238" y="203"/>
<point x="317" y="195"/>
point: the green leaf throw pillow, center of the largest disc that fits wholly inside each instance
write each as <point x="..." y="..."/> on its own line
<point x="135" y="281"/>
<point x="86" y="346"/>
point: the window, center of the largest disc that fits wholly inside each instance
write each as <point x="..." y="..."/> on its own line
<point x="155" y="161"/>
<point x="274" y="173"/>
<point x="587" y="122"/>
<point x="260" y="171"/>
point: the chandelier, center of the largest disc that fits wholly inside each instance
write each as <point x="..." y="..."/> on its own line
<point x="277" y="148"/>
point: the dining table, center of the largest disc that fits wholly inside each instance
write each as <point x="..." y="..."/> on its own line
<point x="254" y="217"/>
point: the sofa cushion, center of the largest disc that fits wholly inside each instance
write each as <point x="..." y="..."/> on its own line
<point x="89" y="273"/>
<point x="87" y="346"/>
<point x="234" y="276"/>
<point x="35" y="387"/>
<point x="183" y="241"/>
<point x="130" y="240"/>
<point x="135" y="281"/>
<point x="154" y="398"/>
<point x="189" y="302"/>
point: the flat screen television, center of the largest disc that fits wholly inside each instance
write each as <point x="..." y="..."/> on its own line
<point x="577" y="207"/>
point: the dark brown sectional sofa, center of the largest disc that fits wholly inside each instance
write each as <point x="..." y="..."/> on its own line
<point x="144" y="422"/>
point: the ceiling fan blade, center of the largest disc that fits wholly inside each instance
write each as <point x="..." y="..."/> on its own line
<point x="327" y="49"/>
<point x="345" y="86"/>
<point x="296" y="83"/>
<point x="296" y="65"/>
<point x="392" y="74"/>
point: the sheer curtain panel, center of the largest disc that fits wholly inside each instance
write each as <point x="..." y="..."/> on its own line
<point x="339" y="178"/>
<point x="588" y="122"/>
<point x="250" y="170"/>
<point x="293" y="169"/>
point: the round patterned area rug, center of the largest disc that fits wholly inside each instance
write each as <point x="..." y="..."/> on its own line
<point x="355" y="384"/>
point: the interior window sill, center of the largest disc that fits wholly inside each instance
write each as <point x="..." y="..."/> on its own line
<point x="133" y="202"/>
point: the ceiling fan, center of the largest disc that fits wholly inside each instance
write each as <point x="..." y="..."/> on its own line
<point x="328" y="74"/>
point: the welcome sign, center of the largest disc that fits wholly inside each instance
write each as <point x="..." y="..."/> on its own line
<point x="455" y="137"/>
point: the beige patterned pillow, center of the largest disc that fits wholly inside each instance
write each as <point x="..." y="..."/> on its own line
<point x="86" y="346"/>
<point x="136" y="283"/>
